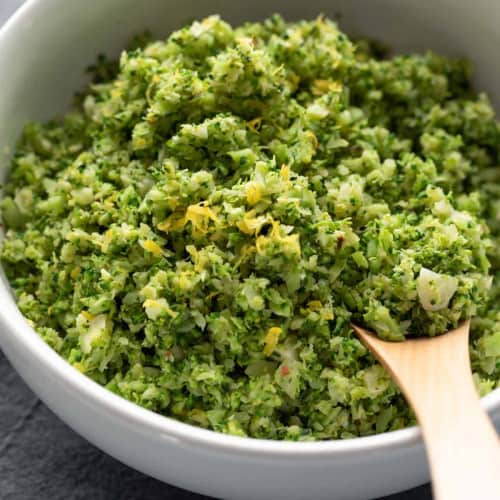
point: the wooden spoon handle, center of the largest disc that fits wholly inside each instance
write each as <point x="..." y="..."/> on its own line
<point x="462" y="444"/>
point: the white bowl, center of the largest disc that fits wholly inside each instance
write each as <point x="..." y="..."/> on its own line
<point x="44" y="49"/>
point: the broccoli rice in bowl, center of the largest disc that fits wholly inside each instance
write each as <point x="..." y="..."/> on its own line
<point x="199" y="232"/>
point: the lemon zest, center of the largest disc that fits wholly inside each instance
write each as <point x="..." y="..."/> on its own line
<point x="152" y="247"/>
<point x="254" y="193"/>
<point x="250" y="224"/>
<point x="271" y="340"/>
<point x="199" y="215"/>
<point x="289" y="242"/>
<point x="285" y="172"/>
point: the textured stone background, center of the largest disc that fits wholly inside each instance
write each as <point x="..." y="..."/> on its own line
<point x="43" y="459"/>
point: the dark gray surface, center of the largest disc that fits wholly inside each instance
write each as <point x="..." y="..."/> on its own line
<point x="43" y="459"/>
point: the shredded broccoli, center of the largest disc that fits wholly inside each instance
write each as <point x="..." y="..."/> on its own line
<point x="199" y="232"/>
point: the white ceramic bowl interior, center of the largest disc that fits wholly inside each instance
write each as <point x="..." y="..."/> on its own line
<point x="44" y="50"/>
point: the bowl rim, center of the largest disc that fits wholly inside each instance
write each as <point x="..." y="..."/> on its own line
<point x="17" y="331"/>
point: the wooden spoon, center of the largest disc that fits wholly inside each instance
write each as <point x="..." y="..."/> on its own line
<point x="435" y="376"/>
